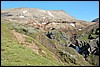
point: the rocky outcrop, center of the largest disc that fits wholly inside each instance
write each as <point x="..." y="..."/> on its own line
<point x="88" y="43"/>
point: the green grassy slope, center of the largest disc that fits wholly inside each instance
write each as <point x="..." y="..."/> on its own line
<point x="14" y="54"/>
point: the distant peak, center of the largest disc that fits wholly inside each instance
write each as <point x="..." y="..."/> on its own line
<point x="95" y="20"/>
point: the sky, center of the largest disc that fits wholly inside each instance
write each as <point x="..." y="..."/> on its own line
<point x="81" y="10"/>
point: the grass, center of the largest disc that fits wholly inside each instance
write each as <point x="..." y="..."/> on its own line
<point x="14" y="54"/>
<point x="29" y="39"/>
<point x="93" y="59"/>
<point x="48" y="55"/>
<point x="84" y="38"/>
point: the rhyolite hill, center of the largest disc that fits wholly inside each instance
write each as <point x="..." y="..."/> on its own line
<point x="36" y="37"/>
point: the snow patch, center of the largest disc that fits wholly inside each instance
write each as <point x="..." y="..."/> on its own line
<point x="44" y="23"/>
<point x="53" y="23"/>
<point x="25" y="11"/>
<point x="21" y="16"/>
<point x="43" y="11"/>
<point x="79" y="29"/>
<point x="34" y="23"/>
<point x="50" y="14"/>
<point x="43" y="18"/>
<point x="72" y="24"/>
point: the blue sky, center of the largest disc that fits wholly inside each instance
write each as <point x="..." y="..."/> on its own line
<point x="82" y="10"/>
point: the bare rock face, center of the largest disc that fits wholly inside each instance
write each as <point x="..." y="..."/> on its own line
<point x="88" y="43"/>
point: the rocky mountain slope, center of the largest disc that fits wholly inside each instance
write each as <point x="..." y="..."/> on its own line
<point x="36" y="14"/>
<point x="47" y="37"/>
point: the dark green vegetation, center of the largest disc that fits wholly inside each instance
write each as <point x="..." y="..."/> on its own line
<point x="40" y="49"/>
